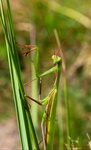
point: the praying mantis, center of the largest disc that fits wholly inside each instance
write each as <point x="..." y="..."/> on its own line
<point x="51" y="99"/>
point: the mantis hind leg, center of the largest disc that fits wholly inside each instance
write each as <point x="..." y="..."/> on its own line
<point x="45" y="117"/>
<point x="42" y="129"/>
<point x="40" y="89"/>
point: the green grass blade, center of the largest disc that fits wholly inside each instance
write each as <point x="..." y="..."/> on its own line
<point x="67" y="113"/>
<point x="69" y="12"/>
<point x="26" y="129"/>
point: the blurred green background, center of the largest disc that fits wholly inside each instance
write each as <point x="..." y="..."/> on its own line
<point x="29" y="26"/>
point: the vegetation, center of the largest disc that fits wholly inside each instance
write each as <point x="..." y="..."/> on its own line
<point x="29" y="25"/>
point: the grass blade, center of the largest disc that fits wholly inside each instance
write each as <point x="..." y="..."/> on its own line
<point x="26" y="129"/>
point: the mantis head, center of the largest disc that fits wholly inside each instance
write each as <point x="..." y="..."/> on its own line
<point x="56" y="59"/>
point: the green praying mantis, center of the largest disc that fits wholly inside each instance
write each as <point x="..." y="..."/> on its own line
<point x="51" y="99"/>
